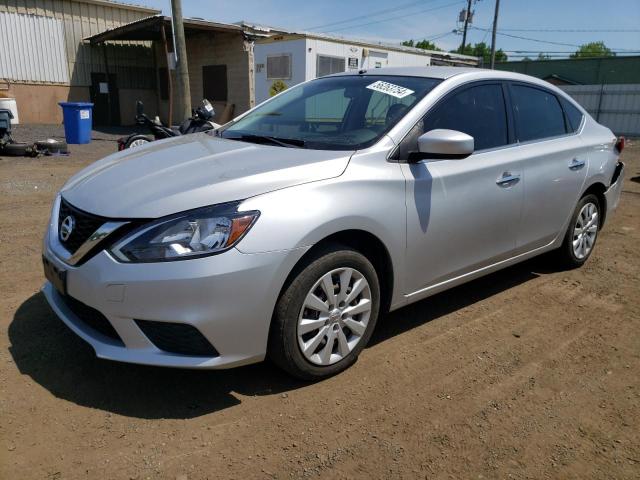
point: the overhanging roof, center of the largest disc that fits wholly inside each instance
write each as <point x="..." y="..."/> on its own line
<point x="149" y="29"/>
<point x="434" y="54"/>
<point x="121" y="5"/>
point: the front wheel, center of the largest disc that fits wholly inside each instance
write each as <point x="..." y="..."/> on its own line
<point x="326" y="315"/>
<point x="582" y="232"/>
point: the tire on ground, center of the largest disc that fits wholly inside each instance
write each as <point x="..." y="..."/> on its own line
<point x="283" y="348"/>
<point x="565" y="254"/>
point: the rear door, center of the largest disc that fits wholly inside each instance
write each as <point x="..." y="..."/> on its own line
<point x="464" y="214"/>
<point x="555" y="163"/>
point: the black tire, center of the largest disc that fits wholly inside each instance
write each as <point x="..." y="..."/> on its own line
<point x="52" y="147"/>
<point x="566" y="254"/>
<point x="139" y="139"/>
<point x="17" y="150"/>
<point x="283" y="348"/>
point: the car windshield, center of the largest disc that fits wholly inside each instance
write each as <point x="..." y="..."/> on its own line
<point x="347" y="112"/>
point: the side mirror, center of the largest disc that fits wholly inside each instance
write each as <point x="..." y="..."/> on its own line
<point x="445" y="144"/>
<point x="139" y="108"/>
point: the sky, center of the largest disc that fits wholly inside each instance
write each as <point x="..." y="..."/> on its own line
<point x="397" y="20"/>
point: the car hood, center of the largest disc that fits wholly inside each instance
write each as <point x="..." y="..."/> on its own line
<point x="191" y="171"/>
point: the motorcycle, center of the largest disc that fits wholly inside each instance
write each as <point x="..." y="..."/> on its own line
<point x="201" y="121"/>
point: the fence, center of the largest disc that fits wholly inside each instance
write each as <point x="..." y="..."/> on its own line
<point x="616" y="106"/>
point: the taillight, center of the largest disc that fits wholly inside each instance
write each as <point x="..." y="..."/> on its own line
<point x="620" y="144"/>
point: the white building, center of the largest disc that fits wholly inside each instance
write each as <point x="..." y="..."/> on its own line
<point x="297" y="57"/>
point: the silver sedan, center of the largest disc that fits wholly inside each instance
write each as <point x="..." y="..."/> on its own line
<point x="290" y="230"/>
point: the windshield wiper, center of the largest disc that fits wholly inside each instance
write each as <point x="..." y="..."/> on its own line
<point x="283" y="142"/>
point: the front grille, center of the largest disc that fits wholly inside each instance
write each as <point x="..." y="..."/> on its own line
<point x="179" y="338"/>
<point x="92" y="318"/>
<point x="84" y="225"/>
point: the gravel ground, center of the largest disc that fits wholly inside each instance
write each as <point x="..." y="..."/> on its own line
<point x="32" y="133"/>
<point x="527" y="373"/>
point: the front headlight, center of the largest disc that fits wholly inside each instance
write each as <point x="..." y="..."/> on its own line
<point x="195" y="233"/>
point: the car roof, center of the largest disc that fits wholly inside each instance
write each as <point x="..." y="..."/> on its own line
<point x="428" y="72"/>
<point x="443" y="73"/>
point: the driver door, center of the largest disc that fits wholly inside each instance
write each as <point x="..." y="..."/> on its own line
<point x="462" y="215"/>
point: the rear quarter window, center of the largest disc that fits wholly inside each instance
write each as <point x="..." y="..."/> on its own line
<point x="574" y="116"/>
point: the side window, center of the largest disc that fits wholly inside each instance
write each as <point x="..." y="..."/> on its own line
<point x="574" y="116"/>
<point x="477" y="111"/>
<point x="537" y="113"/>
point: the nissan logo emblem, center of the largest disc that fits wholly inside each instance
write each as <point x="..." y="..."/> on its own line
<point x="66" y="228"/>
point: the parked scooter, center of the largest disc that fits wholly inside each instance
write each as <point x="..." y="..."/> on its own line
<point x="201" y="121"/>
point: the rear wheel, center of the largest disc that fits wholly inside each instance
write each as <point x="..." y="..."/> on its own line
<point x="137" y="141"/>
<point x="326" y="315"/>
<point x="582" y="232"/>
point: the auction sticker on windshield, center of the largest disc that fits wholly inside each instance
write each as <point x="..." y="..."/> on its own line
<point x="390" y="89"/>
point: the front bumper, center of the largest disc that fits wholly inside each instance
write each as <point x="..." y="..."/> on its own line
<point x="612" y="194"/>
<point x="229" y="298"/>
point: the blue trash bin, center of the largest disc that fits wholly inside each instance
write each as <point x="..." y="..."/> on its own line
<point x="77" y="118"/>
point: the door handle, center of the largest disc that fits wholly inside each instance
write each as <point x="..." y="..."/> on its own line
<point x="576" y="164"/>
<point x="508" y="179"/>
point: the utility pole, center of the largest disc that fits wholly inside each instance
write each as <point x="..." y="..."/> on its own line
<point x="466" y="25"/>
<point x="182" y="69"/>
<point x="493" y="35"/>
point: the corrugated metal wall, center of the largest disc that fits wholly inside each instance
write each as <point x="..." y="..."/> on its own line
<point x="616" y="106"/>
<point x="32" y="48"/>
<point x="83" y="19"/>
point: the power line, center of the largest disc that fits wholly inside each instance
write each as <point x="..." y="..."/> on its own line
<point x="530" y="39"/>
<point x="545" y="41"/>
<point x="397" y="17"/>
<point x="570" y="30"/>
<point x="368" y="15"/>
<point x="440" y="35"/>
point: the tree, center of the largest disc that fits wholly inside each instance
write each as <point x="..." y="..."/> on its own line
<point x="423" y="44"/>
<point x="482" y="50"/>
<point x="592" y="49"/>
<point x="543" y="56"/>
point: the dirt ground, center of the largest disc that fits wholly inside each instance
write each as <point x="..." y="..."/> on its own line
<point x="528" y="373"/>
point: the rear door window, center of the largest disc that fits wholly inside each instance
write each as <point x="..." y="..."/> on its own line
<point x="537" y="113"/>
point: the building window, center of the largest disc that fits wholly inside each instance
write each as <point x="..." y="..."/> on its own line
<point x="214" y="83"/>
<point x="328" y="65"/>
<point x="278" y="67"/>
